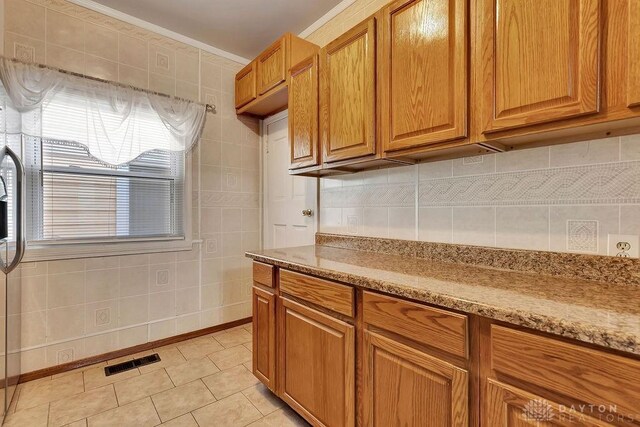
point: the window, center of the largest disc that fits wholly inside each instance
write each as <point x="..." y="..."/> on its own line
<point x="75" y="197"/>
<point x="106" y="164"/>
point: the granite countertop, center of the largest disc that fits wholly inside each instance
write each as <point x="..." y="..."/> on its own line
<point x="600" y="313"/>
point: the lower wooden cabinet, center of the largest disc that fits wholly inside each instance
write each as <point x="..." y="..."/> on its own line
<point x="403" y="386"/>
<point x="507" y="406"/>
<point x="317" y="365"/>
<point x="264" y="337"/>
<point x="418" y="365"/>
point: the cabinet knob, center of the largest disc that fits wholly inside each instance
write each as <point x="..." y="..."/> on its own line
<point x="307" y="212"/>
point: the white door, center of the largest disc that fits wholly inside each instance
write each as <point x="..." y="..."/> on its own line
<point x="285" y="196"/>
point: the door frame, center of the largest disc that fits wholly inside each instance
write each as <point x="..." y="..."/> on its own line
<point x="264" y="124"/>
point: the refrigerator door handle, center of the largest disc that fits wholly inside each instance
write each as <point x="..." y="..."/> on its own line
<point x="20" y="241"/>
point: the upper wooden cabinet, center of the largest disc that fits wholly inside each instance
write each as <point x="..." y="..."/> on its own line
<point x="272" y="66"/>
<point x="303" y="114"/>
<point x="539" y="61"/>
<point x="348" y="94"/>
<point x="633" y="46"/>
<point x="246" y="85"/>
<point x="261" y="87"/>
<point x="422" y="73"/>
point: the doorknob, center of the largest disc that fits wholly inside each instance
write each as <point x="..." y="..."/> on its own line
<point x="307" y="212"/>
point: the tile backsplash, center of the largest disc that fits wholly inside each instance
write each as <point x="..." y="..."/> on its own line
<point x="565" y="198"/>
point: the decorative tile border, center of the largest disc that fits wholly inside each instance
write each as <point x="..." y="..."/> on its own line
<point x="609" y="183"/>
<point x="396" y="195"/>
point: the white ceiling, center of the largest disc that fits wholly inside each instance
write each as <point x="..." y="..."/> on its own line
<point x="241" y="27"/>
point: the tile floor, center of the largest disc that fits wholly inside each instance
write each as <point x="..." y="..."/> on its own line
<point x="205" y="381"/>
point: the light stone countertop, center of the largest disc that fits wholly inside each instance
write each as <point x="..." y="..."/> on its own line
<point x="604" y="314"/>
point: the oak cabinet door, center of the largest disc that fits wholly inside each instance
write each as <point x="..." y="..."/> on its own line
<point x="507" y="406"/>
<point x="246" y="85"/>
<point x="633" y="96"/>
<point x="540" y="61"/>
<point x="271" y="66"/>
<point x="264" y="337"/>
<point x="423" y="72"/>
<point x="347" y="94"/>
<point x="303" y="113"/>
<point x="406" y="387"/>
<point x="317" y="362"/>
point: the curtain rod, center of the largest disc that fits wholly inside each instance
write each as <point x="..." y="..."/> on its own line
<point x="211" y="108"/>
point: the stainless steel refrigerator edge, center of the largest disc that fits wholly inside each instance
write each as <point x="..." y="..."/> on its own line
<point x="12" y="246"/>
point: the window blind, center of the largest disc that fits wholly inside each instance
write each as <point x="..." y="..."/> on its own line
<point x="82" y="198"/>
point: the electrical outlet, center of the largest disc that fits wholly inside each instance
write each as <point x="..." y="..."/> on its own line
<point x="624" y="245"/>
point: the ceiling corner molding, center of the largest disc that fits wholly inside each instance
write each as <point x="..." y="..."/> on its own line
<point x="326" y="17"/>
<point x="90" y="4"/>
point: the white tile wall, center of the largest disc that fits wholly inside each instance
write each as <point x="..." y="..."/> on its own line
<point x="78" y="308"/>
<point x="564" y="198"/>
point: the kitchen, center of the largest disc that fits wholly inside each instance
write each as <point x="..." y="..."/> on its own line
<point x="334" y="213"/>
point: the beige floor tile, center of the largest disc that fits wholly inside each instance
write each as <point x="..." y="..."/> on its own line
<point x="32" y="417"/>
<point x="136" y="388"/>
<point x="263" y="399"/>
<point x="235" y="410"/>
<point x="169" y="356"/>
<point x="82" y="406"/>
<point x="199" y="347"/>
<point x="248" y="365"/>
<point x="141" y="413"/>
<point x="75" y="371"/>
<point x="285" y="417"/>
<point x="36" y="393"/>
<point x="191" y="370"/>
<point x="233" y="338"/>
<point x="180" y="400"/>
<point x="225" y="383"/>
<point x="249" y="346"/>
<point x="248" y="327"/>
<point x="186" y="420"/>
<point x="79" y="423"/>
<point x="230" y="357"/>
<point x="94" y="378"/>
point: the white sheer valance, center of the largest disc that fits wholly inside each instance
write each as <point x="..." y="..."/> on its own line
<point x="116" y="123"/>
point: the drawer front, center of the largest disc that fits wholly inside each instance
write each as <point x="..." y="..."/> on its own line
<point x="263" y="274"/>
<point x="324" y="293"/>
<point x="581" y="373"/>
<point x="436" y="328"/>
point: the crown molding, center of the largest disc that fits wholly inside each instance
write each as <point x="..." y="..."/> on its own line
<point x="90" y="4"/>
<point x="326" y="17"/>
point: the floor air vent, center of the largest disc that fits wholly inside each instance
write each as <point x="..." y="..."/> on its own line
<point x="131" y="364"/>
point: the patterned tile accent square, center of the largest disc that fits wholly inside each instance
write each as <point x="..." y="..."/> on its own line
<point x="582" y="236"/>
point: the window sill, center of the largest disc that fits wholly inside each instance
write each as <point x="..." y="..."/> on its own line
<point x="49" y="252"/>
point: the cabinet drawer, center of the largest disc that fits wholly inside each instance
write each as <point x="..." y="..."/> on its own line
<point x="581" y="373"/>
<point x="324" y="293"/>
<point x="436" y="328"/>
<point x="263" y="274"/>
